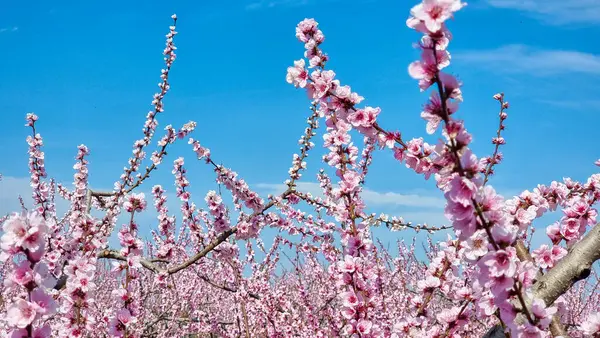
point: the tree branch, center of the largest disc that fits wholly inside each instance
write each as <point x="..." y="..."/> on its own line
<point x="556" y="327"/>
<point x="576" y="266"/>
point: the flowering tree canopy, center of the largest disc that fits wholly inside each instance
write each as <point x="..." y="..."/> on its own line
<point x="200" y="275"/>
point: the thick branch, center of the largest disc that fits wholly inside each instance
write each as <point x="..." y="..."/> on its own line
<point x="227" y="288"/>
<point x="577" y="265"/>
<point x="112" y="254"/>
<point x="207" y="249"/>
<point x="148" y="264"/>
<point x="222" y="237"/>
<point x="556" y="327"/>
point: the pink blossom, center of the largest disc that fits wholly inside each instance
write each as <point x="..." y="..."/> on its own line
<point x="19" y="333"/>
<point x="527" y="273"/>
<point x="120" y="322"/>
<point x="83" y="281"/>
<point x="570" y="228"/>
<point x="451" y="86"/>
<point x="44" y="303"/>
<point x="126" y="238"/>
<point x="364" y="326"/>
<point x="348" y="264"/>
<point x="505" y="233"/>
<point x="322" y="83"/>
<point x="357" y="245"/>
<point x="591" y="325"/>
<point x="541" y="312"/>
<point x="36" y="256"/>
<point x="340" y="282"/>
<point x="500" y="285"/>
<point x="350" y="182"/>
<point x="476" y="245"/>
<point x="434" y="12"/>
<point x="452" y="315"/>
<point x="35" y="239"/>
<point x="44" y="331"/>
<point x="135" y="202"/>
<point x="463" y="218"/>
<point x="305" y="29"/>
<point x="553" y="231"/>
<point x="530" y="331"/>
<point x="426" y="69"/>
<point x="429" y="284"/>
<point x="558" y="252"/>
<point x="124" y="316"/>
<point x="433" y="121"/>
<point x="543" y="256"/>
<point x="22" y="274"/>
<point x="501" y="262"/>
<point x="388" y="139"/>
<point x="201" y="152"/>
<point x="433" y="112"/>
<point x="364" y="117"/>
<point x="349" y="330"/>
<point x="462" y="190"/>
<point x="468" y="160"/>
<point x="349" y="299"/>
<point x="120" y="294"/>
<point x="15" y="230"/>
<point x="526" y="216"/>
<point x="486" y="305"/>
<point x="21" y="313"/>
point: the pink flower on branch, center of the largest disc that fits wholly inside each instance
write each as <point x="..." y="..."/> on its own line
<point x="21" y="314"/>
<point x="433" y="13"/>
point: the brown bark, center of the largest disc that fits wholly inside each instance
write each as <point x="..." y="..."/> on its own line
<point x="576" y="266"/>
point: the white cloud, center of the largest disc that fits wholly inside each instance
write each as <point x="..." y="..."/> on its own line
<point x="525" y="59"/>
<point x="9" y="29"/>
<point x="419" y="207"/>
<point x="557" y="12"/>
<point x="370" y="197"/>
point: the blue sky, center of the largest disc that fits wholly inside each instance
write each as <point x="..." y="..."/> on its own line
<point x="89" y="69"/>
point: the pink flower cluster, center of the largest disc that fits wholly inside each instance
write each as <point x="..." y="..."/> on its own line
<point x="132" y="249"/>
<point x="187" y="209"/>
<point x="77" y="300"/>
<point x="73" y="256"/>
<point x="151" y="123"/>
<point x="471" y="205"/>
<point x="23" y="245"/>
<point x="202" y="152"/>
<point x="546" y="257"/>
<point x="218" y="211"/>
<point x="298" y="163"/>
<point x="165" y="239"/>
<point x="355" y="277"/>
<point x="239" y="188"/>
<point x="41" y="189"/>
